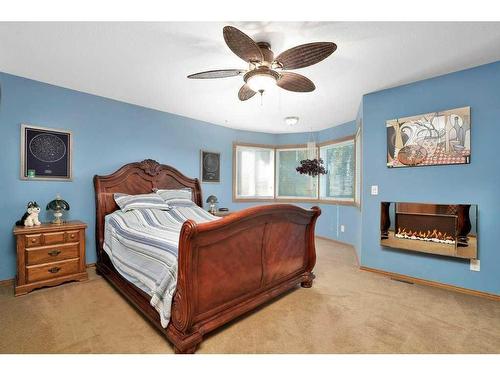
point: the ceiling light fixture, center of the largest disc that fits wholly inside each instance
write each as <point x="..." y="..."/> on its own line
<point x="261" y="79"/>
<point x="264" y="70"/>
<point x="291" y="120"/>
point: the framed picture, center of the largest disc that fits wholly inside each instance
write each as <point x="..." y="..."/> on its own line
<point x="210" y="166"/>
<point x="437" y="138"/>
<point x="46" y="153"/>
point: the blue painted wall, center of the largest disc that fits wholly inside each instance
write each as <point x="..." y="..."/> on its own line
<point x="478" y="182"/>
<point x="107" y="134"/>
<point x="332" y="216"/>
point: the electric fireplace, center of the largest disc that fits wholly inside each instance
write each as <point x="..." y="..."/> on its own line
<point x="442" y="229"/>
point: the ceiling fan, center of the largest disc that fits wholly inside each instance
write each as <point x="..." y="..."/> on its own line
<point x="264" y="70"/>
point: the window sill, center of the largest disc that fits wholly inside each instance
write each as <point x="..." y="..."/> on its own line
<point x="291" y="200"/>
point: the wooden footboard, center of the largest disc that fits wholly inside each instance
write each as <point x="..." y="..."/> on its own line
<point x="230" y="266"/>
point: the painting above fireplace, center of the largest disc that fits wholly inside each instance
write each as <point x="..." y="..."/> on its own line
<point x="437" y="138"/>
<point x="442" y="229"/>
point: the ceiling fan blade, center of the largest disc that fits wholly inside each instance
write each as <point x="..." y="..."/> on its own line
<point x="222" y="73"/>
<point x="242" y="45"/>
<point x="305" y="55"/>
<point x="295" y="82"/>
<point x="245" y="92"/>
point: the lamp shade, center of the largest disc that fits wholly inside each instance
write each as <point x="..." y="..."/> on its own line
<point x="58" y="204"/>
<point x="261" y="82"/>
<point x="212" y="199"/>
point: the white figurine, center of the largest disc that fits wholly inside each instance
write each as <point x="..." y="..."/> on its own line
<point x="30" y="217"/>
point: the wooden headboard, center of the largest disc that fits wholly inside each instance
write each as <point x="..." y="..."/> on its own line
<point x="137" y="178"/>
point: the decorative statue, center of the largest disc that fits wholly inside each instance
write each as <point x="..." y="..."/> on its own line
<point x="30" y="217"/>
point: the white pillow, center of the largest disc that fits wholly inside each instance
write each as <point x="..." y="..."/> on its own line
<point x="128" y="202"/>
<point x="181" y="202"/>
<point x="168" y="194"/>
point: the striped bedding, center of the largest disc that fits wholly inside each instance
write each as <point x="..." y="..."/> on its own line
<point x="142" y="245"/>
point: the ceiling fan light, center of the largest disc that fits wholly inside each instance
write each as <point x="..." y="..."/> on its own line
<point x="261" y="82"/>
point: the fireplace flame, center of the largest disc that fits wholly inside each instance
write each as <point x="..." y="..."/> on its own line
<point x="434" y="235"/>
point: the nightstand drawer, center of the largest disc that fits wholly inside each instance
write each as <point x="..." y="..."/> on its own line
<point x="53" y="238"/>
<point x="73" y="236"/>
<point x="52" y="254"/>
<point x="52" y="270"/>
<point x="32" y="240"/>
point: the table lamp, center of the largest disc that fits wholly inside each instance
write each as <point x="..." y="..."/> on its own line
<point x="212" y="201"/>
<point x="58" y="205"/>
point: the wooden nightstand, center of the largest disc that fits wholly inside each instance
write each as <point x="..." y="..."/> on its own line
<point x="49" y="254"/>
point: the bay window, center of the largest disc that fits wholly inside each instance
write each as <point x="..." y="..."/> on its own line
<point x="269" y="173"/>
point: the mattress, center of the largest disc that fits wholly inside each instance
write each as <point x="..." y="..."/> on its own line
<point x="142" y="245"/>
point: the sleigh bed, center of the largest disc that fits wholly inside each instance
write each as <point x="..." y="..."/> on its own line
<point x="226" y="267"/>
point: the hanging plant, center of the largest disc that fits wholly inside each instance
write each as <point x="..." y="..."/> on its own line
<point x="311" y="167"/>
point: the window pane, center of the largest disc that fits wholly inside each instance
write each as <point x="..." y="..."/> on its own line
<point x="292" y="184"/>
<point x="339" y="161"/>
<point x="254" y="172"/>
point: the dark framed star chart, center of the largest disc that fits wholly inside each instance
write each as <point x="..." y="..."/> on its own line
<point x="210" y="166"/>
<point x="46" y="153"/>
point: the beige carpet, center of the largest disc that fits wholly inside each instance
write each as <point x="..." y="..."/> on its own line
<point x="346" y="311"/>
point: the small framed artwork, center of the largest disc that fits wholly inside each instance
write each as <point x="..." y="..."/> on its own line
<point x="46" y="153"/>
<point x="210" y="166"/>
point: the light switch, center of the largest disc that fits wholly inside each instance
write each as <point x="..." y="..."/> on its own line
<point x="475" y="265"/>
<point x="374" y="189"/>
<point x="342" y="228"/>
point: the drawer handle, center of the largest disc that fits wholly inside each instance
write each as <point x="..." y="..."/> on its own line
<point x="54" y="269"/>
<point x="33" y="240"/>
<point x="54" y="253"/>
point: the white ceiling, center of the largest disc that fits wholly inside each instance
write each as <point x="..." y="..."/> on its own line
<point x="147" y="64"/>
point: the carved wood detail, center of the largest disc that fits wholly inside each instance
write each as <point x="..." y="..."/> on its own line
<point x="150" y="167"/>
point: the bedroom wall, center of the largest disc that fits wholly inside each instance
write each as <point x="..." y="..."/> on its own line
<point x="476" y="183"/>
<point x="332" y="216"/>
<point x="107" y="134"/>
